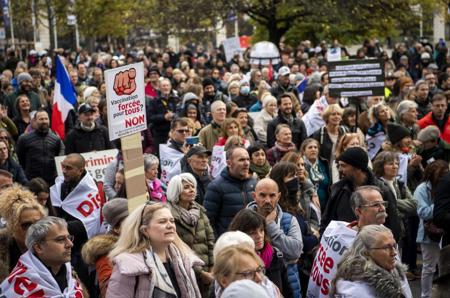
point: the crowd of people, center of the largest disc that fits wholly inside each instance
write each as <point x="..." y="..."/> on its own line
<point x="274" y="187"/>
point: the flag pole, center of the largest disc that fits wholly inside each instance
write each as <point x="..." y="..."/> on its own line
<point x="11" y="25"/>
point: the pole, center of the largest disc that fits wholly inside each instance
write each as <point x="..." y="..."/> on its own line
<point x="55" y="37"/>
<point x="11" y="25"/>
<point x="77" y="36"/>
<point x="33" y="20"/>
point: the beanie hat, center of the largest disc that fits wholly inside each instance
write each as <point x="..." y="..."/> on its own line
<point x="356" y="157"/>
<point x="24" y="76"/>
<point x="397" y="132"/>
<point x="207" y="82"/>
<point x="245" y="288"/>
<point x="189" y="96"/>
<point x="115" y="211"/>
<point x="88" y="91"/>
<point x="429" y="133"/>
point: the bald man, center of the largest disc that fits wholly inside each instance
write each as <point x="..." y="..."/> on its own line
<point x="282" y="227"/>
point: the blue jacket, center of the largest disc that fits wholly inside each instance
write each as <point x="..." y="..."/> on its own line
<point x="425" y="208"/>
<point x="226" y="196"/>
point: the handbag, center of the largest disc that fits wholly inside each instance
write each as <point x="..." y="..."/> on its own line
<point x="432" y="231"/>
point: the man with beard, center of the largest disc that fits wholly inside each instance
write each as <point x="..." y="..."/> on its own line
<point x="44" y="270"/>
<point x="37" y="150"/>
<point x="25" y="87"/>
<point x="286" y="116"/>
<point x="283" y="228"/>
<point x="230" y="191"/>
<point x="353" y="168"/>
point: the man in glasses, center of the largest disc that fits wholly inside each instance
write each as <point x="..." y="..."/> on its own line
<point x="44" y="270"/>
<point x="179" y="131"/>
<point x="353" y="168"/>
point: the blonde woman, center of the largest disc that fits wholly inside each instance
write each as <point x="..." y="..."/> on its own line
<point x="150" y="260"/>
<point x="268" y="113"/>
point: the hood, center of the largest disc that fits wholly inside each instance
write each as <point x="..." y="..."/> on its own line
<point x="98" y="247"/>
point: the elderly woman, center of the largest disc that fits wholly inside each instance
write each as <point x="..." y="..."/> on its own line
<point x="328" y="135"/>
<point x="380" y="115"/>
<point x="192" y="225"/>
<point x="283" y="144"/>
<point x="407" y="116"/>
<point x="429" y="242"/>
<point x="149" y="258"/>
<point x="254" y="225"/>
<point x="371" y="268"/>
<point x="318" y="170"/>
<point x="20" y="209"/>
<point x="155" y="187"/>
<point x="268" y="113"/>
<point x="259" y="165"/>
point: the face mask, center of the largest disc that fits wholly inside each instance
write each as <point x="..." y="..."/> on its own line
<point x="292" y="187"/>
<point x="245" y="90"/>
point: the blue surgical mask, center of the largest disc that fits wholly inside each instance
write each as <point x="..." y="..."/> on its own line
<point x="245" y="90"/>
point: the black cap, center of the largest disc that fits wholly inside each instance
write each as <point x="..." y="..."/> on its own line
<point x="197" y="150"/>
<point x="85" y="108"/>
<point x="356" y="157"/>
<point x="397" y="132"/>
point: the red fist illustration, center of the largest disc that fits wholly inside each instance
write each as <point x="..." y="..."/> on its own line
<point x="125" y="82"/>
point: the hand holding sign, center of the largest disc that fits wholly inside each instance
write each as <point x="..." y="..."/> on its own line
<point x="125" y="82"/>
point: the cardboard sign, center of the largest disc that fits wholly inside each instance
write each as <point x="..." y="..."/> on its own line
<point x="354" y="78"/>
<point x="232" y="46"/>
<point x="96" y="163"/>
<point x="126" y="100"/>
<point x="218" y="160"/>
<point x="336" y="239"/>
<point x="170" y="162"/>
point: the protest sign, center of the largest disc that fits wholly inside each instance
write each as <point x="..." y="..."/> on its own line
<point x="403" y="167"/>
<point x="218" y="160"/>
<point x="334" y="54"/>
<point x="125" y="97"/>
<point x="337" y="238"/>
<point x="374" y="144"/>
<point x="96" y="163"/>
<point x="354" y="78"/>
<point x="232" y="46"/>
<point x="170" y="161"/>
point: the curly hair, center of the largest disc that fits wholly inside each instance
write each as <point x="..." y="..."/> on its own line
<point x="13" y="201"/>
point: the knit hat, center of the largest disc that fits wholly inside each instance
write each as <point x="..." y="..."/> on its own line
<point x="429" y="133"/>
<point x="245" y="288"/>
<point x="207" y="82"/>
<point x="356" y="157"/>
<point x="189" y="96"/>
<point x="88" y="91"/>
<point x="115" y="211"/>
<point x="24" y="76"/>
<point x="397" y="132"/>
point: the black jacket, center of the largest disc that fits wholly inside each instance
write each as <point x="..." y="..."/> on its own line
<point x="279" y="90"/>
<point x="36" y="152"/>
<point x="339" y="206"/>
<point x="277" y="273"/>
<point x="80" y="141"/>
<point x="16" y="170"/>
<point x="441" y="211"/>
<point x="156" y="109"/>
<point x="297" y="126"/>
<point x="326" y="144"/>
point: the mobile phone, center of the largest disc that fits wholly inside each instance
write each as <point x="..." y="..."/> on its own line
<point x="192" y="140"/>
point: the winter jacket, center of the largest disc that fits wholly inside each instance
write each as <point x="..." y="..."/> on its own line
<point x="339" y="207"/>
<point x="441" y="211"/>
<point x="425" y="206"/>
<point x="81" y="141"/>
<point x="156" y="109"/>
<point x="209" y="135"/>
<point x="297" y="127"/>
<point x="9" y="253"/>
<point x="95" y="253"/>
<point x="226" y="196"/>
<point x="200" y="238"/>
<point x="132" y="277"/>
<point x="16" y="170"/>
<point x="245" y="101"/>
<point x="277" y="273"/>
<point x="36" y="152"/>
<point x="428" y="120"/>
<point x="326" y="144"/>
<point x="280" y="90"/>
<point x="261" y="124"/>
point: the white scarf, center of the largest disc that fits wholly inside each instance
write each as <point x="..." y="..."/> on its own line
<point x="83" y="202"/>
<point x="30" y="278"/>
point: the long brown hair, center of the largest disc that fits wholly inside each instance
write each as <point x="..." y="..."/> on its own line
<point x="434" y="172"/>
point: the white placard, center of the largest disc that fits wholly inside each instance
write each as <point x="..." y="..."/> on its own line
<point x="170" y="162"/>
<point x="231" y="46"/>
<point x="96" y="163"/>
<point x="126" y="100"/>
<point x="334" y="54"/>
<point x="218" y="160"/>
<point x="374" y="144"/>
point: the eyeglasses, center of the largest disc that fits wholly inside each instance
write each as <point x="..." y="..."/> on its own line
<point x="62" y="239"/>
<point x="389" y="247"/>
<point x="182" y="130"/>
<point x="376" y="204"/>
<point x="251" y="274"/>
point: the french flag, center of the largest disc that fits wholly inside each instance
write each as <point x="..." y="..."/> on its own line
<point x="64" y="99"/>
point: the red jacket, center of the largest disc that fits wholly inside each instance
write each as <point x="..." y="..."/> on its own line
<point x="428" y="120"/>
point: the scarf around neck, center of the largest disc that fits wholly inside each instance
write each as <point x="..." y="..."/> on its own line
<point x="284" y="149"/>
<point x="314" y="170"/>
<point x="261" y="171"/>
<point x="191" y="216"/>
<point x="266" y="254"/>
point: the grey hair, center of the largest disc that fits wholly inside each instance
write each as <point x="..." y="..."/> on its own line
<point x="150" y="160"/>
<point x="357" y="199"/>
<point x="404" y="106"/>
<point x="38" y="231"/>
<point x="175" y="187"/>
<point x="215" y="105"/>
<point x="356" y="260"/>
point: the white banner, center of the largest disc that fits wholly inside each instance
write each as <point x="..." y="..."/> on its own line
<point x="402" y="175"/>
<point x="96" y="163"/>
<point x="84" y="203"/>
<point x="337" y="238"/>
<point x="374" y="144"/>
<point x="218" y="160"/>
<point x="170" y="161"/>
<point x="232" y="46"/>
<point x="334" y="54"/>
<point x="125" y="97"/>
